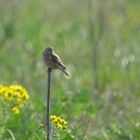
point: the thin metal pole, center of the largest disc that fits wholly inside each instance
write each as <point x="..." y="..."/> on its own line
<point x="48" y="106"/>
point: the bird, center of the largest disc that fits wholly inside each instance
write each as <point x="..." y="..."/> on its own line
<point x="53" y="61"/>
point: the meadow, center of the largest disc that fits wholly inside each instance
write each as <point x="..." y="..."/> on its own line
<point x="98" y="40"/>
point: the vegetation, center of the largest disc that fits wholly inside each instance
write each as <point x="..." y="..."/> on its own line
<point x="98" y="42"/>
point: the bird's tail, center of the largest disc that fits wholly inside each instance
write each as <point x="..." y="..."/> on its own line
<point x="63" y="69"/>
<point x="66" y="72"/>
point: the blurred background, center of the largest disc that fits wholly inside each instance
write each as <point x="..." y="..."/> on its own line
<point x="98" y="40"/>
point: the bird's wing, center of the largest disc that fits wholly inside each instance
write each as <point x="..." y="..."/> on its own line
<point x="57" y="60"/>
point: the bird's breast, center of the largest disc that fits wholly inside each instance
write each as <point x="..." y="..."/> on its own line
<point x="48" y="60"/>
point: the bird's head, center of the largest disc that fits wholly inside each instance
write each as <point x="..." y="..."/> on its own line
<point x="48" y="50"/>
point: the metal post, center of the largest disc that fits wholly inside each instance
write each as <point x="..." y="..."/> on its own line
<point x="48" y="106"/>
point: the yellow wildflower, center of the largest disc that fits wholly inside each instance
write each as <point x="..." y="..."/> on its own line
<point x="19" y="100"/>
<point x="19" y="91"/>
<point x="59" y="125"/>
<point x="25" y="95"/>
<point x="15" y="95"/>
<point x="3" y="89"/>
<point x="8" y="95"/>
<point x="16" y="110"/>
<point x="59" y="122"/>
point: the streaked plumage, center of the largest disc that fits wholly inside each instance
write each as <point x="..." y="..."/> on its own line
<point x="53" y="61"/>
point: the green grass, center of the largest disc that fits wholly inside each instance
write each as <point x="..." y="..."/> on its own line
<point x="25" y="29"/>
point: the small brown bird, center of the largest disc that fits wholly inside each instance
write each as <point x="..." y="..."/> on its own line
<point x="53" y="61"/>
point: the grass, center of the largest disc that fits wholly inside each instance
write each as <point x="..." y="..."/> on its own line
<point x="25" y="29"/>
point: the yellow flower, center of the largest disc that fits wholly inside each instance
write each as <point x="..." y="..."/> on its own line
<point x="19" y="100"/>
<point x="65" y="126"/>
<point x="15" y="95"/>
<point x="59" y="122"/>
<point x="19" y="92"/>
<point x="3" y="89"/>
<point x="52" y="117"/>
<point x="25" y="95"/>
<point x="59" y="125"/>
<point x="8" y="95"/>
<point x="16" y="110"/>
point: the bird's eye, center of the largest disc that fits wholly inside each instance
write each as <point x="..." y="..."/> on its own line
<point x="50" y="50"/>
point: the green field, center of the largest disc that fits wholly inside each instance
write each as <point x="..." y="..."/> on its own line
<point x="98" y="40"/>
